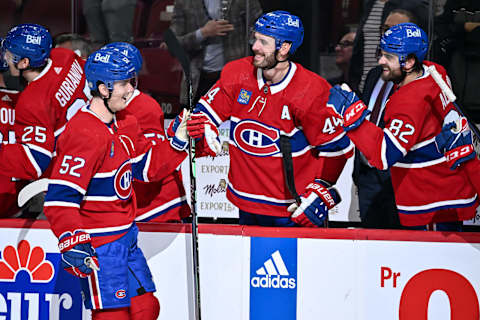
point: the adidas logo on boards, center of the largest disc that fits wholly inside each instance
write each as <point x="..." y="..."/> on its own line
<point x="273" y="274"/>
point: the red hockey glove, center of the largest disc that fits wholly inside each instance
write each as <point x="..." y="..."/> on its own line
<point x="78" y="255"/>
<point x="318" y="198"/>
<point x="205" y="132"/>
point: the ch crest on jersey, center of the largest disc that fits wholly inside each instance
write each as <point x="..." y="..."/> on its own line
<point x="256" y="138"/>
<point x="123" y="181"/>
<point x="244" y="96"/>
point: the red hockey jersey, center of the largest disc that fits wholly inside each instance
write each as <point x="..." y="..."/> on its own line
<point x="41" y="113"/>
<point x="426" y="190"/>
<point x="259" y="113"/>
<point x="158" y="201"/>
<point x="8" y="188"/>
<point x="90" y="185"/>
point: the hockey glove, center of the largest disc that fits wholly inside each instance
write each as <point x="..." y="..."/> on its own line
<point x="348" y="106"/>
<point x="205" y="132"/>
<point x="318" y="198"/>
<point x="78" y="255"/>
<point x="455" y="142"/>
<point x="177" y="131"/>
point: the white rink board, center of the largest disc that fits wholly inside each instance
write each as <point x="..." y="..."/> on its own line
<point x="338" y="273"/>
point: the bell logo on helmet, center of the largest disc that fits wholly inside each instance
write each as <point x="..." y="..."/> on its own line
<point x="293" y="22"/>
<point x="413" y="33"/>
<point x="34" y="40"/>
<point x="101" y="58"/>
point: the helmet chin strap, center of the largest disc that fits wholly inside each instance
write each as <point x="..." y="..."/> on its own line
<point x="276" y="61"/>
<point x="105" y="102"/>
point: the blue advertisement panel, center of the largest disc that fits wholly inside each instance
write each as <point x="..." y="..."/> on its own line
<point x="273" y="278"/>
<point x="34" y="286"/>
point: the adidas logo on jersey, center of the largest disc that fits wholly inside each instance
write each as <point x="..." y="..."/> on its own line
<point x="273" y="274"/>
<point x="6" y="98"/>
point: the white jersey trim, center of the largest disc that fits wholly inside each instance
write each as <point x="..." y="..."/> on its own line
<point x="261" y="197"/>
<point x="210" y="110"/>
<point x="32" y="160"/>
<point x="277" y="87"/>
<point x="161" y="208"/>
<point x="437" y="204"/>
<point x="109" y="229"/>
<point x="421" y="164"/>
<point x="61" y="204"/>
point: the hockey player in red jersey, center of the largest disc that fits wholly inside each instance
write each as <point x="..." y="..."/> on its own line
<point x="90" y="202"/>
<point x="266" y="97"/>
<point x="426" y="190"/>
<point x="159" y="201"/>
<point x="56" y="90"/>
<point x="8" y="187"/>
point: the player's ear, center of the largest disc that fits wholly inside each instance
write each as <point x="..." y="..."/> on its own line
<point x="284" y="49"/>
<point x="103" y="90"/>
<point x="409" y="63"/>
<point x="24" y="63"/>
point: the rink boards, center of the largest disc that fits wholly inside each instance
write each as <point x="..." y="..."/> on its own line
<point x="263" y="273"/>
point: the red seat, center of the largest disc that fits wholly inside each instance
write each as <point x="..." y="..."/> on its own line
<point x="159" y="19"/>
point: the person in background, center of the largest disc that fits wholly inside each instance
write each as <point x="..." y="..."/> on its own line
<point x="109" y="20"/>
<point x="159" y="201"/>
<point x="213" y="32"/>
<point x="343" y="54"/>
<point x="78" y="44"/>
<point x="367" y="39"/>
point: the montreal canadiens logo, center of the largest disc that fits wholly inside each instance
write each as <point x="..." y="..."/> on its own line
<point x="256" y="138"/>
<point x="120" y="294"/>
<point x="123" y="181"/>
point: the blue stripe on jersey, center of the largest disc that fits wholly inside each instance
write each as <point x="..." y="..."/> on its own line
<point x="255" y="199"/>
<point x="335" y="146"/>
<point x="426" y="153"/>
<point x="393" y="154"/>
<point x="63" y="193"/>
<point x="139" y="164"/>
<point x="41" y="159"/>
<point x="298" y="142"/>
<point x="101" y="187"/>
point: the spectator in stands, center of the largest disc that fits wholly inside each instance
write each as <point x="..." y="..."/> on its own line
<point x="78" y="44"/>
<point x="367" y="39"/>
<point x="458" y="48"/>
<point x="109" y="20"/>
<point x="343" y="54"/>
<point x="213" y="32"/>
<point x="375" y="192"/>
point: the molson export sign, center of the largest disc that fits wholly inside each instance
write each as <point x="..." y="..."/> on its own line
<point x="33" y="287"/>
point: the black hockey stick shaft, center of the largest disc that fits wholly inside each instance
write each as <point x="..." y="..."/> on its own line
<point x="176" y="50"/>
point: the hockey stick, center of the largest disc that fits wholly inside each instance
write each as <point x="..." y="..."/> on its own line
<point x="31" y="190"/>
<point x="176" y="50"/>
<point x="451" y="96"/>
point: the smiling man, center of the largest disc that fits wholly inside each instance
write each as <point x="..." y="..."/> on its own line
<point x="269" y="99"/>
<point x="427" y="192"/>
<point x="90" y="202"/>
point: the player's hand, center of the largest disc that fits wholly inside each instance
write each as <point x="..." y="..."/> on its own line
<point x="201" y="128"/>
<point x="318" y="198"/>
<point x="78" y="255"/>
<point x="177" y="131"/>
<point x="346" y="104"/>
<point x="455" y="142"/>
<point x="215" y="28"/>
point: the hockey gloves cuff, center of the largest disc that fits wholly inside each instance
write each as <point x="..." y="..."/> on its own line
<point x="345" y="103"/>
<point x="318" y="198"/>
<point x="205" y="132"/>
<point x="177" y="131"/>
<point x="78" y="255"/>
<point x="455" y="142"/>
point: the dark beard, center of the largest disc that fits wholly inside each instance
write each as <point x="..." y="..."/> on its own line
<point x="269" y="62"/>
